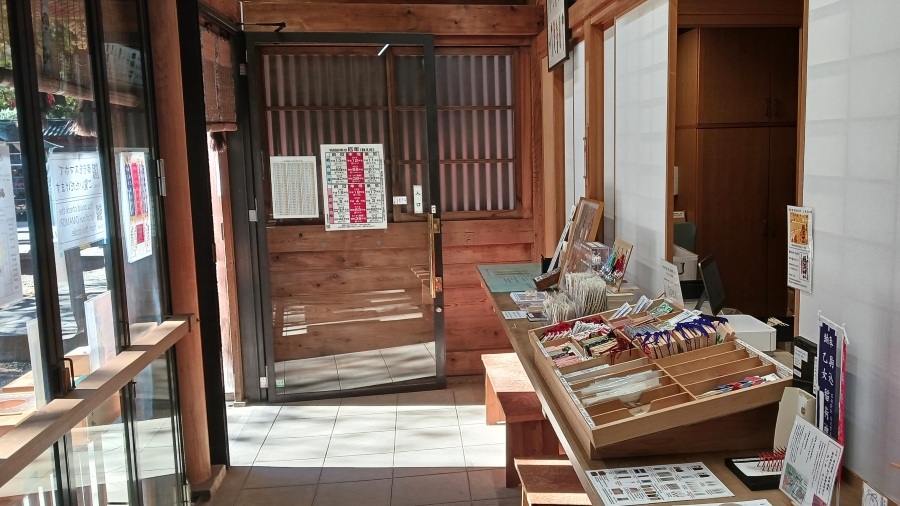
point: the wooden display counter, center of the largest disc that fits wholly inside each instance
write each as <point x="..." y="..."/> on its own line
<point x="517" y="331"/>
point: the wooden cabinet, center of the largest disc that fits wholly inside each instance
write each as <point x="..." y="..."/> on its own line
<point x="746" y="75"/>
<point x="736" y="149"/>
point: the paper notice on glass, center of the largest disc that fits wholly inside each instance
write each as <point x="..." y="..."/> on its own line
<point x="810" y="465"/>
<point x="295" y="188"/>
<point x="134" y="200"/>
<point x="800" y="248"/>
<point x="76" y="197"/>
<point x="353" y="186"/>
<point x="100" y="328"/>
<point x="657" y="484"/>
<point x="10" y="262"/>
<point x="671" y="284"/>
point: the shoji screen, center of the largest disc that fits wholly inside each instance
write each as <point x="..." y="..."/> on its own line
<point x="851" y="180"/>
<point x="609" y="135"/>
<point x="574" y="117"/>
<point x="642" y="53"/>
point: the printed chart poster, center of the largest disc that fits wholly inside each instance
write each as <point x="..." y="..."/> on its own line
<point x="353" y="186"/>
<point x="134" y="196"/>
<point x="10" y="263"/>
<point x="76" y="194"/>
<point x="800" y="248"/>
<point x="810" y="465"/>
<point x="656" y="484"/>
<point x="294" y="187"/>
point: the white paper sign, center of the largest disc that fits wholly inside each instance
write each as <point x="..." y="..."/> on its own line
<point x="76" y="194"/>
<point x="294" y="187"/>
<point x="100" y="329"/>
<point x="353" y="186"/>
<point x="810" y="465"/>
<point x="417" y="198"/>
<point x="871" y="497"/>
<point x="671" y="284"/>
<point x="557" y="32"/>
<point x="800" y="248"/>
<point x="134" y="200"/>
<point x="657" y="484"/>
<point x="400" y="200"/>
<point x="10" y="263"/>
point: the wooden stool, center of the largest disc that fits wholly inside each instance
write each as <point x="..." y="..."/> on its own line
<point x="510" y="397"/>
<point x="550" y="481"/>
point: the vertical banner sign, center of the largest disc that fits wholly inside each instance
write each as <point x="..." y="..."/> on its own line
<point x="830" y="374"/>
<point x="134" y="200"/>
<point x="10" y="263"/>
<point x="353" y="186"/>
<point x="800" y="248"/>
<point x="294" y="187"/>
<point x="557" y="32"/>
<point x="76" y="195"/>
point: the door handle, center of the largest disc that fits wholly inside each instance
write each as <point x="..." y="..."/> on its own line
<point x="436" y="283"/>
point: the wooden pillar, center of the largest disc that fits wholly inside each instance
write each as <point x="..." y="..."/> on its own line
<point x="179" y="233"/>
<point x="554" y="135"/>
<point x="593" y="117"/>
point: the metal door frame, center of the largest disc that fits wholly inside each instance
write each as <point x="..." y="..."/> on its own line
<point x="426" y="41"/>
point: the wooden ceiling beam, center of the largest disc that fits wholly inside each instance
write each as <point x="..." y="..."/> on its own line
<point x="436" y="19"/>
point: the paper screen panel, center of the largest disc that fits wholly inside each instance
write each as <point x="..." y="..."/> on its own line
<point x="851" y="181"/>
<point x="642" y="52"/>
<point x="609" y="135"/>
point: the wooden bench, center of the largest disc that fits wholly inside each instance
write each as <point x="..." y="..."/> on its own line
<point x="550" y="481"/>
<point x="510" y="398"/>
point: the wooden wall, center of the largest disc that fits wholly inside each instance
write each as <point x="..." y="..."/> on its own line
<point x="319" y="277"/>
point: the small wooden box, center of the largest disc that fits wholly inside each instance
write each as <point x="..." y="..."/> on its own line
<point x="675" y="420"/>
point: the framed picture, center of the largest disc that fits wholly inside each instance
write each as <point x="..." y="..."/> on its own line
<point x="557" y="32"/>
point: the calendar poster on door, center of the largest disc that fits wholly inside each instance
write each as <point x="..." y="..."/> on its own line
<point x="353" y="186"/>
<point x="134" y="195"/>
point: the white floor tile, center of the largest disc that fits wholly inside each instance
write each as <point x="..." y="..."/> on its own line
<point x="429" y="399"/>
<point x="301" y="448"/>
<point x="362" y="369"/>
<point x="368" y="404"/>
<point x="325" y="408"/>
<point x="285" y="473"/>
<point x="487" y="456"/>
<point x="372" y="422"/>
<point x="280" y="496"/>
<point x="370" y="493"/>
<point x="432" y="461"/>
<point x="428" y="438"/>
<point x="431" y="489"/>
<point x="473" y="435"/>
<point x="471" y="415"/>
<point x="444" y="417"/>
<point x="367" y="443"/>
<point x="301" y="427"/>
<point x="491" y="484"/>
<point x="357" y="468"/>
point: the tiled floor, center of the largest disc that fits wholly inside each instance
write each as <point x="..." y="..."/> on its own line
<point x="412" y="449"/>
<point x="356" y="370"/>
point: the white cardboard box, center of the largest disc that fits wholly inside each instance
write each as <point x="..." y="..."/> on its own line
<point x="752" y="331"/>
<point x="686" y="262"/>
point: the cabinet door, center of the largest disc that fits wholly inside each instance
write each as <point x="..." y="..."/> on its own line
<point x="735" y="75"/>
<point x="785" y="73"/>
<point x="734" y="172"/>
<point x="782" y="193"/>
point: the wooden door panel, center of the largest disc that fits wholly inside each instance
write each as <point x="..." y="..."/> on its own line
<point x="735" y="75"/>
<point x="782" y="193"/>
<point x="733" y="211"/>
<point x="785" y="73"/>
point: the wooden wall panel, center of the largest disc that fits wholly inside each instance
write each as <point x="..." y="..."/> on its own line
<point x="397" y="18"/>
<point x="319" y="277"/>
<point x="229" y="8"/>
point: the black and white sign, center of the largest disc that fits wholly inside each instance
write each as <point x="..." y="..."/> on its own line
<point x="76" y="193"/>
<point x="557" y="32"/>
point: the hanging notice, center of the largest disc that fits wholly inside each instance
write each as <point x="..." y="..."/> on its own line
<point x="76" y="194"/>
<point x="800" y="248"/>
<point x="811" y="465"/>
<point x="134" y="200"/>
<point x="294" y="187"/>
<point x="100" y="329"/>
<point x="10" y="263"/>
<point x="656" y="484"/>
<point x="828" y="386"/>
<point x="671" y="283"/>
<point x="353" y="186"/>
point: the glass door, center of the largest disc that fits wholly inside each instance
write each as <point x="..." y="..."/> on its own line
<point x="347" y="126"/>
